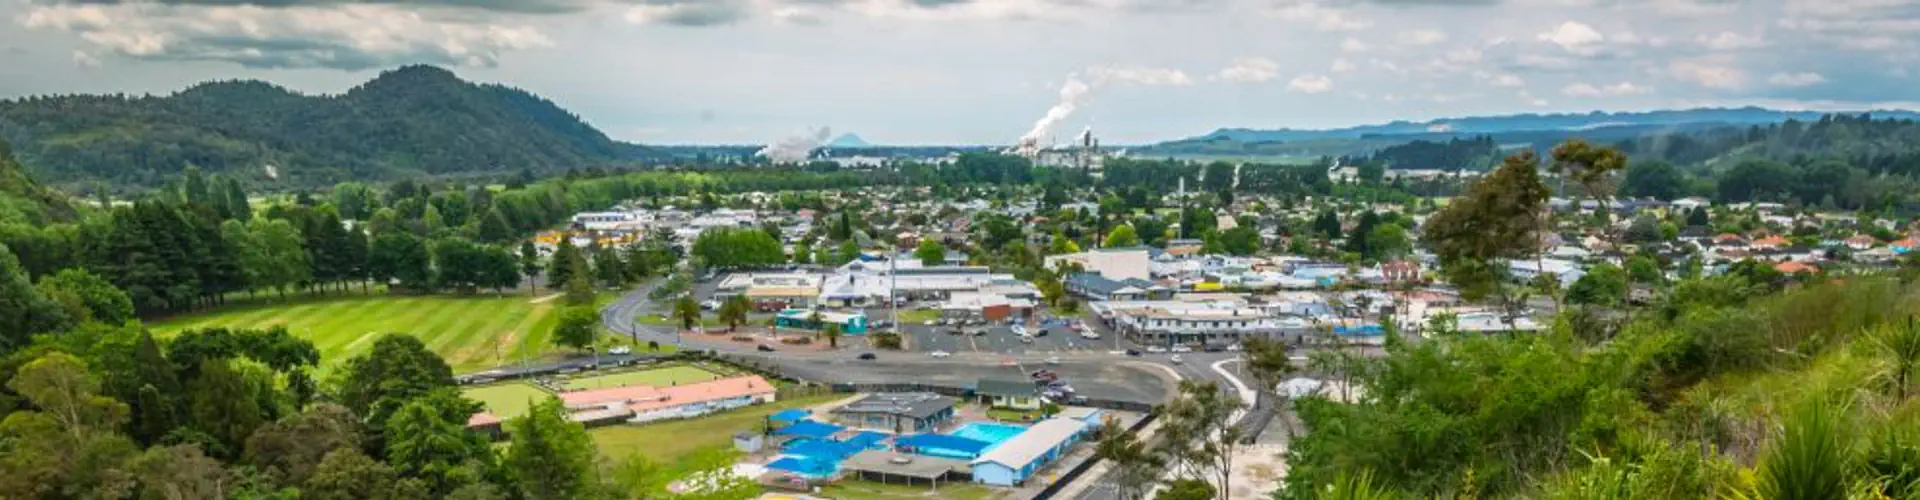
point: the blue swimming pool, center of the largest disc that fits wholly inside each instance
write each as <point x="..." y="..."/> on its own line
<point x="991" y="433"/>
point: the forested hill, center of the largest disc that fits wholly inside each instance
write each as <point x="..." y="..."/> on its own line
<point x="24" y="201"/>
<point x="408" y="121"/>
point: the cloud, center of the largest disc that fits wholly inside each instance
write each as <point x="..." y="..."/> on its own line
<point x="509" y="6"/>
<point x="1708" y="74"/>
<point x="1531" y="100"/>
<point x="1463" y="55"/>
<point x="1502" y="80"/>
<point x="1353" y="45"/>
<point x="692" y="13"/>
<point x="1614" y="90"/>
<point x="1421" y="37"/>
<point x="1310" y="84"/>
<point x="82" y="59"/>
<point x="1342" y="65"/>
<point x="1249" y="70"/>
<point x="1322" y="18"/>
<point x="1142" y="75"/>
<point x="1803" y="79"/>
<point x="1727" y="40"/>
<point x="1574" y="37"/>
<point x="348" y="37"/>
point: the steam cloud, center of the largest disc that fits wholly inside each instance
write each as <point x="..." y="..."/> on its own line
<point x="1076" y="91"/>
<point x="796" y="148"/>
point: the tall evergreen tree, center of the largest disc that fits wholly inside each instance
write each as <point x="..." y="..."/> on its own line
<point x="551" y="455"/>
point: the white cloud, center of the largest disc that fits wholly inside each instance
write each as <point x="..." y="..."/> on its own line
<point x="1574" y="37"/>
<point x="1310" y="84"/>
<point x="1322" y="18"/>
<point x="1353" y="45"/>
<point x="1614" y="90"/>
<point x="1727" y="40"/>
<point x="1464" y="55"/>
<point x="1502" y="80"/>
<point x="1708" y="74"/>
<point x="1531" y="100"/>
<point x="1342" y="65"/>
<point x="82" y="59"/>
<point x="1142" y="75"/>
<point x="1249" y="70"/>
<point x="1803" y="79"/>
<point x="349" y="37"/>
<point x="1421" y="37"/>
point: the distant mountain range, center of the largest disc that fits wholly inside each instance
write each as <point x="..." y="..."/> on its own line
<point x="408" y="121"/>
<point x="1474" y="125"/>
<point x="848" y="141"/>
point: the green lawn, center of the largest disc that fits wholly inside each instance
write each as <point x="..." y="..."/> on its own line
<point x="666" y="442"/>
<point x="918" y="316"/>
<point x="658" y="377"/>
<point x="471" y="332"/>
<point x="507" y="400"/>
<point x="867" y="490"/>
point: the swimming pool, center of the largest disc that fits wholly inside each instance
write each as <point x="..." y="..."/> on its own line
<point x="991" y="433"/>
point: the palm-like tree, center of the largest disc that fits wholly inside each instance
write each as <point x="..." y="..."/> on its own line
<point x="734" y="312"/>
<point x="687" y="311"/>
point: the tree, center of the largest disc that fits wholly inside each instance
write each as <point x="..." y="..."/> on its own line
<point x="930" y="253"/>
<point x="561" y="265"/>
<point x="1644" y="270"/>
<point x="1497" y="217"/>
<point x="738" y="247"/>
<point x="529" y="263"/>
<point x="182" y="471"/>
<point x="687" y="312"/>
<point x="402" y="257"/>
<point x="1134" y="464"/>
<point x="396" y="369"/>
<point x="347" y="474"/>
<point x="1699" y="218"/>
<point x="1240" y="240"/>
<point x="1643" y="229"/>
<point x="576" y="328"/>
<point x="225" y="402"/>
<point x="607" y="267"/>
<point x="494" y="228"/>
<point x="23" y="310"/>
<point x="67" y="446"/>
<point x="1387" y="242"/>
<point x="1603" y="285"/>
<point x="551" y="456"/>
<point x="832" y="333"/>
<point x="282" y="257"/>
<point x="86" y="297"/>
<point x="1121" y="236"/>
<point x="733" y="312"/>
<point x="1186" y="489"/>
<point x="579" y="283"/>
<point x="291" y="449"/>
<point x="1654" y="179"/>
<point x="802" y="253"/>
<point x="427" y="439"/>
<point x="1327" y="224"/>
<point x="1590" y="166"/>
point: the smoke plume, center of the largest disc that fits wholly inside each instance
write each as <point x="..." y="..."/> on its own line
<point x="796" y="148"/>
<point x="1076" y="92"/>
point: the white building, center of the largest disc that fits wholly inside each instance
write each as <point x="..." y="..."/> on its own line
<point x="1118" y="264"/>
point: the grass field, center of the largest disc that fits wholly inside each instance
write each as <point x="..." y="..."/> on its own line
<point x="472" y="332"/>
<point x="917" y="316"/>
<point x="507" y="400"/>
<point x="659" y="377"/>
<point x="666" y="442"/>
<point x="867" y="490"/>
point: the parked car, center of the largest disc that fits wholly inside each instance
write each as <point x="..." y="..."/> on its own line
<point x="1233" y="348"/>
<point x="1019" y="330"/>
<point x="1133" y="352"/>
<point x="710" y="304"/>
<point x="1182" y="348"/>
<point x="867" y="356"/>
<point x="764" y="348"/>
<point x="1175" y="359"/>
<point x="977" y="332"/>
<point x="1040" y="332"/>
<point x="939" y="354"/>
<point x="1156" y="349"/>
<point x="1089" y="335"/>
<point x="1053" y="360"/>
<point x="620" y="349"/>
<point x="933" y="322"/>
<point x="1214" y="348"/>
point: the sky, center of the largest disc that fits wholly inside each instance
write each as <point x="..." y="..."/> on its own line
<point x="985" y="71"/>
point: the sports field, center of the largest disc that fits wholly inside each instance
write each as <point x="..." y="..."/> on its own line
<point x="507" y="400"/>
<point x="659" y="377"/>
<point x="473" y="332"/>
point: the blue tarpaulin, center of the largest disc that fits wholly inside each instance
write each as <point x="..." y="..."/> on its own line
<point x="790" y="415"/>
<point x="821" y="449"/>
<point x="941" y="445"/>
<point x="809" y="428"/>
<point x="865" y="439"/>
<point x="803" y="466"/>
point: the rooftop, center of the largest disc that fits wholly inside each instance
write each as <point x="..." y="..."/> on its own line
<point x="918" y="405"/>
<point x="1031" y="444"/>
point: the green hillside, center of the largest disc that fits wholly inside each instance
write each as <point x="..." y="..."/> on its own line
<point x="24" y="201"/>
<point x="411" y="120"/>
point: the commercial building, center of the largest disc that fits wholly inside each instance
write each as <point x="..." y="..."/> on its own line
<point x="1017" y="459"/>
<point x="1099" y="287"/>
<point x="897" y="412"/>
<point x="1118" y="264"/>
<point x="853" y="323"/>
<point x="1015" y="394"/>
<point x="1182" y="322"/>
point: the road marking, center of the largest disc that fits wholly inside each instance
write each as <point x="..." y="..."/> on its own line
<point x="1246" y="395"/>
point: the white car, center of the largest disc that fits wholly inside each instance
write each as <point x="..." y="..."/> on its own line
<point x="1053" y="360"/>
<point x="939" y="354"/>
<point x="710" y="304"/>
<point x="1182" y="348"/>
<point x="1175" y="359"/>
<point x="620" y="349"/>
<point x="1019" y="330"/>
<point x="1156" y="349"/>
<point x="1234" y="348"/>
<point x="1089" y="335"/>
<point x="933" y="322"/>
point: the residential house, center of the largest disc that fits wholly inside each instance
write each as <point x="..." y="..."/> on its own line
<point x="1015" y="394"/>
<point x="897" y="412"/>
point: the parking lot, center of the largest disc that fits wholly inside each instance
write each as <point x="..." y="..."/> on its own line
<point x="999" y="338"/>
